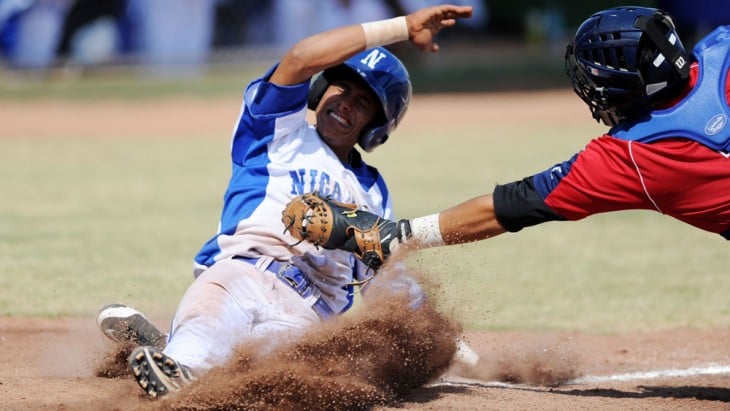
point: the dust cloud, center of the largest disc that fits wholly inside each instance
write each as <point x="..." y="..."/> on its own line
<point x="375" y="356"/>
<point x="544" y="360"/>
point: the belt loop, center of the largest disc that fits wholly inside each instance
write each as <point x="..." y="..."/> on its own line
<point x="263" y="263"/>
<point x="283" y="269"/>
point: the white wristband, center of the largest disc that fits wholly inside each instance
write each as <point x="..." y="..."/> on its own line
<point x="384" y="32"/>
<point x="426" y="231"/>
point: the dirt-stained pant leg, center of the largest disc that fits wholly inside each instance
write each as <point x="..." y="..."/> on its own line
<point x="232" y="303"/>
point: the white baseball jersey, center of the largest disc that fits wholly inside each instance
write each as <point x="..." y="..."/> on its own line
<point x="276" y="155"/>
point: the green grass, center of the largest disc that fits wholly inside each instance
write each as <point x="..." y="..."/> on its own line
<point x="127" y="83"/>
<point x="85" y="222"/>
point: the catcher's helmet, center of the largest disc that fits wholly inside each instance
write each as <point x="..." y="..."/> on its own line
<point x="625" y="59"/>
<point x="386" y="76"/>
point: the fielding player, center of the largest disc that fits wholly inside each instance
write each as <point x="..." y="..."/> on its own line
<point x="668" y="148"/>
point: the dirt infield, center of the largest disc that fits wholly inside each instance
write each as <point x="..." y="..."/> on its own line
<point x="55" y="363"/>
<point x="51" y="364"/>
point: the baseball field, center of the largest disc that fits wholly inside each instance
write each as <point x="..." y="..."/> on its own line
<point x="109" y="188"/>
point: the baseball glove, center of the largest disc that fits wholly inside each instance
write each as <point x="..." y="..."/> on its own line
<point x="333" y="225"/>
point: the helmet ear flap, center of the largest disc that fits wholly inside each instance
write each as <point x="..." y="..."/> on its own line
<point x="316" y="91"/>
<point x="654" y="27"/>
<point x="372" y="138"/>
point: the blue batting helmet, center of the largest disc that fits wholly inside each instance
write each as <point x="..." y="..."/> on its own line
<point x="386" y="76"/>
<point x="625" y="59"/>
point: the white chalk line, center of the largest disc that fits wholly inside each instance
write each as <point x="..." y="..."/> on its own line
<point x="710" y="369"/>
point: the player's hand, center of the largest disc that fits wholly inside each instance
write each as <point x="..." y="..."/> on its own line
<point x="317" y="266"/>
<point x="401" y="282"/>
<point x="424" y="24"/>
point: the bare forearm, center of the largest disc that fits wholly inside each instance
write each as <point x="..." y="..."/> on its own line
<point x="472" y="220"/>
<point x="320" y="51"/>
<point x="313" y="54"/>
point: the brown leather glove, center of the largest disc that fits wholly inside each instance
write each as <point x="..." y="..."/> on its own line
<point x="333" y="225"/>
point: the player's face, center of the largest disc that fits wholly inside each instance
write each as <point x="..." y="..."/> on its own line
<point x="345" y="109"/>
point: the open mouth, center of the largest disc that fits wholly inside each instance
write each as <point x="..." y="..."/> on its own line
<point x="339" y="119"/>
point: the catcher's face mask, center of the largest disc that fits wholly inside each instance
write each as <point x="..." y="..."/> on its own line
<point x="624" y="60"/>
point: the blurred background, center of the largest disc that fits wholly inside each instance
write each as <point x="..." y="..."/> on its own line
<point x="115" y="122"/>
<point x="516" y="43"/>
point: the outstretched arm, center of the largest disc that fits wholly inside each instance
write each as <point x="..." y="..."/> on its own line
<point x="332" y="225"/>
<point x="320" y="51"/>
<point x="472" y="220"/>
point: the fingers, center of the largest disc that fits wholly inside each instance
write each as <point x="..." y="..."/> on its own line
<point x="448" y="23"/>
<point x="426" y="23"/>
<point x="302" y="265"/>
<point x="458" y="12"/>
<point x="451" y="13"/>
<point x="307" y="259"/>
<point x="314" y="260"/>
<point x="428" y="46"/>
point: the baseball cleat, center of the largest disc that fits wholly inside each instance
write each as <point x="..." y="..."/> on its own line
<point x="156" y="373"/>
<point x="124" y="324"/>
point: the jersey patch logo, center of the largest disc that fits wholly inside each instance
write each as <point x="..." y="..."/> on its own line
<point x="715" y="125"/>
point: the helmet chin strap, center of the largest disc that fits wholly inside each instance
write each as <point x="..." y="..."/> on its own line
<point x="651" y="26"/>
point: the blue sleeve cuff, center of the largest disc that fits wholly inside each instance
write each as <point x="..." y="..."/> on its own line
<point x="269" y="98"/>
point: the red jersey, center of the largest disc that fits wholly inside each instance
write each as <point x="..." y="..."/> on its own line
<point x="677" y="177"/>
